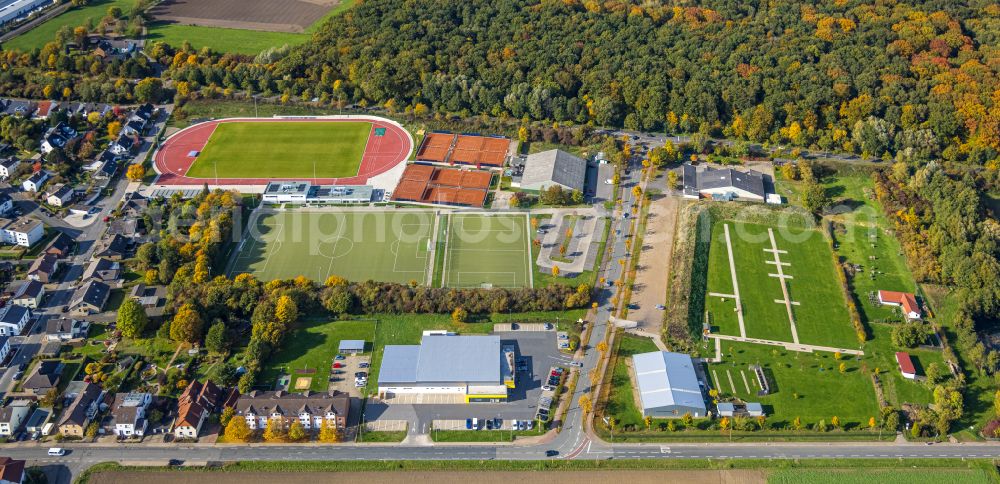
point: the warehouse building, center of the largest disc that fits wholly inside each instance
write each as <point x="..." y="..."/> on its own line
<point x="553" y="167"/>
<point x="668" y="385"/>
<point x="468" y="368"/>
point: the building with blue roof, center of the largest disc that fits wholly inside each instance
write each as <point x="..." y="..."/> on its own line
<point x="445" y="364"/>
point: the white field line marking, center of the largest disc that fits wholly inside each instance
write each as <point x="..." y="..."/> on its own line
<point x="736" y="285"/>
<point x="784" y="286"/>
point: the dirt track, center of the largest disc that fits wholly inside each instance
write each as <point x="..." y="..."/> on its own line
<point x="268" y="15"/>
<point x="435" y="477"/>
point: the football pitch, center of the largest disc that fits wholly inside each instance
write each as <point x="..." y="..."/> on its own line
<point x="283" y="149"/>
<point x="473" y="250"/>
<point x="358" y="246"/>
<point x="785" y="282"/>
<point x="487" y="251"/>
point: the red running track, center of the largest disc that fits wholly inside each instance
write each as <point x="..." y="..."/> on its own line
<point x="381" y="154"/>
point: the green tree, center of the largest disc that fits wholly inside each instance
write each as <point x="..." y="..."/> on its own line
<point x="149" y="90"/>
<point x="131" y="319"/>
<point x="215" y="340"/>
<point x="814" y="197"/>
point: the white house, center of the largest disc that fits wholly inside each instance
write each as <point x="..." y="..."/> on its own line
<point x="129" y="414"/>
<point x="13" y="319"/>
<point x="60" y="195"/>
<point x="8" y="166"/>
<point x="13" y="415"/>
<point x="36" y="181"/>
<point x="904" y="300"/>
<point x="24" y="231"/>
<point x="65" y="329"/>
<point x="6" y="204"/>
<point x="906" y="366"/>
<point x="4" y="347"/>
<point x="29" y="294"/>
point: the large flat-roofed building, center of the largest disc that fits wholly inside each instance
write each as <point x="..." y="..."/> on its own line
<point x="554" y="167"/>
<point x="668" y="385"/>
<point x="468" y="367"/>
<point x="306" y="192"/>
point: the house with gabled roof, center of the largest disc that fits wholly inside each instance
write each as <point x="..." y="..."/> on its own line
<point x="308" y="408"/>
<point x="723" y="184"/>
<point x="905" y="300"/>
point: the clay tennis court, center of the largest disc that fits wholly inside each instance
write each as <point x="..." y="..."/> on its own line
<point x="480" y="150"/>
<point x="268" y="15"/>
<point x="436" y="147"/>
<point x="429" y="184"/>
<point x="388" y="146"/>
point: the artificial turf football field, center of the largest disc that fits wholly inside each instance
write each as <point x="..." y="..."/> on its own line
<point x="283" y="149"/>
<point x="475" y="250"/>
<point x="358" y="246"/>
<point x="821" y="314"/>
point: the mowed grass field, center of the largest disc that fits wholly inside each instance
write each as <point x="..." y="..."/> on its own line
<point x="313" y="346"/>
<point x="283" y="149"/>
<point x="821" y="314"/>
<point x="805" y="385"/>
<point x="487" y="250"/>
<point x="358" y="246"/>
<point x="37" y="37"/>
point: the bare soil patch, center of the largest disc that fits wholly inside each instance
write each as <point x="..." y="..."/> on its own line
<point x="439" y="477"/>
<point x="292" y="16"/>
<point x="650" y="286"/>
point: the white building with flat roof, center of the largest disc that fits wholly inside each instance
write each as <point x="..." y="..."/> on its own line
<point x="468" y="368"/>
<point x="302" y="192"/>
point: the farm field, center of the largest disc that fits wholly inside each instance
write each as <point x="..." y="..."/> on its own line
<point x="283" y="149"/>
<point x="818" y="306"/>
<point x="487" y="250"/>
<point x="358" y="246"/>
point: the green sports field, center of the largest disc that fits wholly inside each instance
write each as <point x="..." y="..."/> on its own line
<point x="820" y="311"/>
<point x="283" y="149"/>
<point x="358" y="246"/>
<point x="487" y="250"/>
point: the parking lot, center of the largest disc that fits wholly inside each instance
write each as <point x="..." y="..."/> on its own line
<point x="538" y="352"/>
<point x="343" y="379"/>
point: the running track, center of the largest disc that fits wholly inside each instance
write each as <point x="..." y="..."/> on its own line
<point x="382" y="153"/>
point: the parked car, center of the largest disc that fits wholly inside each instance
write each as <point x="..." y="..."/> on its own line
<point x="549" y="326"/>
<point x="339" y="357"/>
<point x="363" y="365"/>
<point x="489" y="424"/>
<point x="546" y="388"/>
<point x="360" y="374"/>
<point x="578" y="364"/>
<point x="468" y="424"/>
<point x="551" y="453"/>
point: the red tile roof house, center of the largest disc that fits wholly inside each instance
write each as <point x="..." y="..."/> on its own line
<point x="904" y="299"/>
<point x="11" y="470"/>
<point x="906" y="366"/>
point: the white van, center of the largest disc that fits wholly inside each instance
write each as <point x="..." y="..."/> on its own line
<point x="57" y="451"/>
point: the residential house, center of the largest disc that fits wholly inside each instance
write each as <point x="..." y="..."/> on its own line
<point x="44" y="108"/>
<point x="6" y="204"/>
<point x="24" y="231"/>
<point x="29" y="294"/>
<point x="131" y="228"/>
<point x="109" y="49"/>
<point x="129" y="414"/>
<point x="60" y="195"/>
<point x="102" y="159"/>
<point x="114" y="248"/>
<point x="36" y="181"/>
<point x="905" y="300"/>
<point x="13" y="319"/>
<point x="906" y="366"/>
<point x="107" y="170"/>
<point x="57" y="137"/>
<point x="60" y="246"/>
<point x="78" y="415"/>
<point x="14" y="107"/>
<point x="134" y="205"/>
<point x="65" y="329"/>
<point x="44" y="268"/>
<point x="103" y="270"/>
<point x="122" y="145"/>
<point x="13" y="416"/>
<point x="194" y="406"/>
<point x="90" y="298"/>
<point x="12" y="470"/>
<point x="44" y="377"/>
<point x="145" y="113"/>
<point x="134" y="127"/>
<point x="309" y="408"/>
<point x="148" y="297"/>
<point x="4" y="347"/>
<point x="8" y="165"/>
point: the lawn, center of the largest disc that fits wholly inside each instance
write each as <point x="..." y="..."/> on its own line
<point x="805" y="385"/>
<point x="283" y="149"/>
<point x="358" y="246"/>
<point x="74" y="17"/>
<point x="882" y="476"/>
<point x="312" y="346"/>
<point x="488" y="250"/>
<point x="821" y="315"/>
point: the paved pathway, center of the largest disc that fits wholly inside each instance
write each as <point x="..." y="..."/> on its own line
<point x="802" y="348"/>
